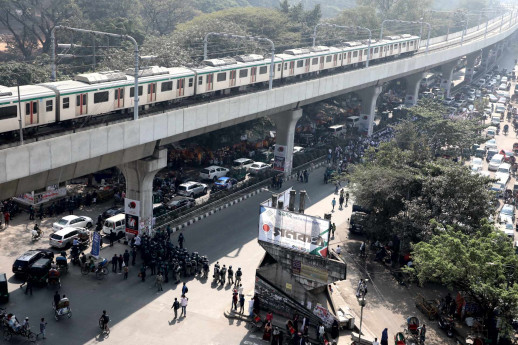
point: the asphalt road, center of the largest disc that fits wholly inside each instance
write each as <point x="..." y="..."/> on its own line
<point x="139" y="314"/>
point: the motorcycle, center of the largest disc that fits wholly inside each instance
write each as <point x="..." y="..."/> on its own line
<point x="36" y="234"/>
<point x="447" y="325"/>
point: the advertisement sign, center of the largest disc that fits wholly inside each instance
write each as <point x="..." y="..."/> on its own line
<point x="132" y="211"/>
<point x="294" y="231"/>
<point x="37" y="198"/>
<point x="324" y="315"/>
<point x="284" y="197"/>
<point x="279" y="157"/>
<point x="96" y="244"/>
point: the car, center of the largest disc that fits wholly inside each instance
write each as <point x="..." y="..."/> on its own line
<point x="459" y="103"/>
<point x="471" y="98"/>
<point x="448" y="101"/>
<point x="491" y="143"/>
<point x="73" y="221"/>
<point x="64" y="237"/>
<point x="481" y="82"/>
<point x="213" y="172"/>
<point x="472" y="92"/>
<point x="178" y="202"/>
<point x="476" y="164"/>
<point x="259" y="168"/>
<point x="298" y="149"/>
<point x="242" y="163"/>
<point x="507" y="214"/>
<point x="112" y="211"/>
<point x="192" y="189"/>
<point x="23" y="262"/>
<point x="504" y="80"/>
<point x="502" y="87"/>
<point x="506" y="228"/>
<point x="224" y="183"/>
<point x="492" y="98"/>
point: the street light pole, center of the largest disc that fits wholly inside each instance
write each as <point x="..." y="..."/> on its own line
<point x="362" y="304"/>
<point x="249" y="38"/>
<point x="127" y="37"/>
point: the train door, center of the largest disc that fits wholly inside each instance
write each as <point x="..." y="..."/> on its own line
<point x="335" y="60"/>
<point x="307" y="65"/>
<point x="180" y="86"/>
<point x="407" y="46"/>
<point x="81" y="104"/>
<point x="31" y="113"/>
<point x="360" y="53"/>
<point x="151" y="92"/>
<point x="119" y="98"/>
<point x="253" y="74"/>
<point x="349" y="57"/>
<point x="210" y="82"/>
<point x="391" y="50"/>
<point x="292" y="67"/>
<point x="232" y="81"/>
<point x="322" y="58"/>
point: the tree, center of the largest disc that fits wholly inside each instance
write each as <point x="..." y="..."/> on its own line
<point x="30" y="22"/>
<point x="162" y="16"/>
<point x="14" y="73"/>
<point x="482" y="265"/>
<point x="358" y="16"/>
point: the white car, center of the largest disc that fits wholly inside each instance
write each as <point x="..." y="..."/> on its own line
<point x="242" y="163"/>
<point x="507" y="228"/>
<point x="507" y="214"/>
<point x="476" y="164"/>
<point x="259" y="168"/>
<point x="213" y="173"/>
<point x="481" y="82"/>
<point x="192" y="189"/>
<point x="491" y="143"/>
<point x="73" y="221"/>
<point x="502" y="87"/>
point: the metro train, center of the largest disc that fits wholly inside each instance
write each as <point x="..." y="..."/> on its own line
<point x="110" y="92"/>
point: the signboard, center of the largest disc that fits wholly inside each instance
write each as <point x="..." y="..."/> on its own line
<point x="132" y="211"/>
<point x="284" y="197"/>
<point x="96" y="244"/>
<point x="279" y="157"/>
<point x="294" y="231"/>
<point x="324" y="315"/>
<point x="313" y="273"/>
<point x="37" y="198"/>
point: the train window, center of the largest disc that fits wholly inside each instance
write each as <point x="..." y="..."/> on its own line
<point x="78" y="100"/>
<point x="300" y="63"/>
<point x="365" y="52"/>
<point x="28" y="108"/>
<point x="328" y="58"/>
<point x="403" y="44"/>
<point x="340" y="57"/>
<point x="200" y="80"/>
<point x="222" y="76"/>
<point x="166" y="86"/>
<point x="263" y="69"/>
<point x="191" y="80"/>
<point x="180" y="83"/>
<point x="279" y="67"/>
<point x="132" y="91"/>
<point x="411" y="43"/>
<point x="101" y="97"/>
<point x="314" y="61"/>
<point x="243" y="73"/>
<point x="376" y="50"/>
<point x="395" y="46"/>
<point x="355" y="53"/>
<point x="66" y="103"/>
<point x="8" y="112"/>
<point x="48" y="105"/>
<point x="285" y="66"/>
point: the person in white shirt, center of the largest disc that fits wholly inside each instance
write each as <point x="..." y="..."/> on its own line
<point x="338" y="250"/>
<point x="375" y="342"/>
<point x="183" y="303"/>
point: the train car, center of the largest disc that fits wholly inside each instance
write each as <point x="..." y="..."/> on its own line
<point x="37" y="107"/>
<point x="89" y="94"/>
<point x="160" y="84"/>
<point x="302" y="61"/>
<point x="400" y="45"/>
<point x="352" y="53"/>
<point x="219" y="75"/>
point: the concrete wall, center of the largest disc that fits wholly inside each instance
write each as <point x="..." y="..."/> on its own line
<point x="47" y="158"/>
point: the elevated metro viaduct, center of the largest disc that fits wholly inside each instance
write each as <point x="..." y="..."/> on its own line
<point x="136" y="147"/>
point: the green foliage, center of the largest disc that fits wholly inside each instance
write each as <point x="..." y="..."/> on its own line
<point x="13" y="73"/>
<point x="482" y="265"/>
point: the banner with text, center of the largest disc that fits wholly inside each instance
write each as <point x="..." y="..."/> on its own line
<point x="294" y="231"/>
<point x="279" y="157"/>
<point x="132" y="211"/>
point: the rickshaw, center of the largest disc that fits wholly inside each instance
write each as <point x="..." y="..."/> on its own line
<point x="412" y="329"/>
<point x="399" y="339"/>
<point x="62" y="309"/>
<point x="99" y="267"/>
<point x="54" y="277"/>
<point x="11" y="326"/>
<point x="62" y="263"/>
<point x="4" y="292"/>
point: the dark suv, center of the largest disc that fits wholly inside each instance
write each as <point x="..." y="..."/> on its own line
<point x="24" y="261"/>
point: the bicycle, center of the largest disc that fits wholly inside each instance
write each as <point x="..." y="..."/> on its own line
<point x="105" y="330"/>
<point x="100" y="272"/>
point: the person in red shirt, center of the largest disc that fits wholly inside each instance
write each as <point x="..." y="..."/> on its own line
<point x="7" y="217"/>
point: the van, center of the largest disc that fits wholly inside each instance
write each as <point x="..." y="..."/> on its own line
<point x="116" y="223"/>
<point x="495" y="162"/>
<point x="352" y="121"/>
<point x="495" y="120"/>
<point x="500" y="108"/>
<point x="337" y="130"/>
<point x="242" y="163"/>
<point x="64" y="237"/>
<point x="491" y="132"/>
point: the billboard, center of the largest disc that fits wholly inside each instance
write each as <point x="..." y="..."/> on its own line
<point x="132" y="211"/>
<point x="283" y="196"/>
<point x="294" y="231"/>
<point x="279" y="157"/>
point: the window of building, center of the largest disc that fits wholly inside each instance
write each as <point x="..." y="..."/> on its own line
<point x="132" y="91"/>
<point x="300" y="63"/>
<point x="263" y="69"/>
<point x="66" y="103"/>
<point x="328" y="58"/>
<point x="48" y="105"/>
<point x="191" y="81"/>
<point x="243" y="73"/>
<point x="222" y="76"/>
<point x="101" y="97"/>
<point x="166" y="86"/>
<point x="8" y="112"/>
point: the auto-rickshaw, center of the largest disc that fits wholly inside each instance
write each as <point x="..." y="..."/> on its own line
<point x="480" y="152"/>
<point x="4" y="292"/>
<point x="39" y="271"/>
